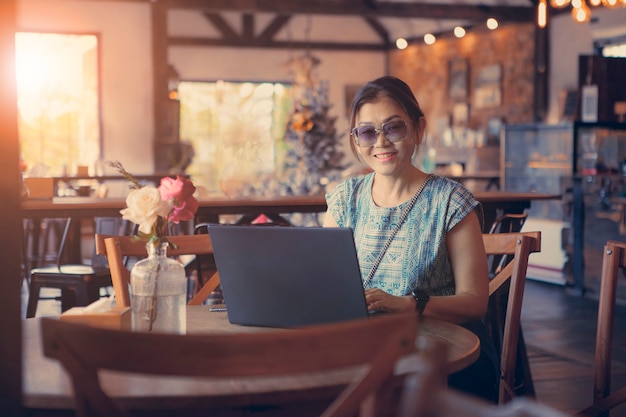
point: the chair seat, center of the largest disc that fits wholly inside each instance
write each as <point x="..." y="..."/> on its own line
<point x="79" y="284"/>
<point x="77" y="272"/>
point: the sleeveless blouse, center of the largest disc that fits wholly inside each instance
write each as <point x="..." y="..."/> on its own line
<point x="417" y="256"/>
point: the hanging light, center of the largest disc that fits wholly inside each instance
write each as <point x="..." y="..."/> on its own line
<point x="542" y="13"/>
<point x="581" y="14"/>
<point x="459" y="32"/>
<point x="558" y="4"/>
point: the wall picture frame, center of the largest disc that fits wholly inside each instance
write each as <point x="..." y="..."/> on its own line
<point x="488" y="87"/>
<point x="458" y="74"/>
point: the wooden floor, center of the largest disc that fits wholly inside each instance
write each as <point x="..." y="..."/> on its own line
<point x="559" y="330"/>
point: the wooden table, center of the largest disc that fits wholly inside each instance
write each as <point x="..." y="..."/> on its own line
<point x="494" y="203"/>
<point x="46" y="386"/>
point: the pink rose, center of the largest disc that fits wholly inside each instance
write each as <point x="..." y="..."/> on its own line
<point x="179" y="189"/>
<point x="184" y="211"/>
<point x="179" y="192"/>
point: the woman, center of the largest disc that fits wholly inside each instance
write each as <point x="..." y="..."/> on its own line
<point x="418" y="236"/>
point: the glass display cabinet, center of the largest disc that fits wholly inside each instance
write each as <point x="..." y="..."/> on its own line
<point x="599" y="199"/>
<point x="537" y="158"/>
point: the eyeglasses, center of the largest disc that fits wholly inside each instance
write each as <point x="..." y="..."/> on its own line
<point x="394" y="131"/>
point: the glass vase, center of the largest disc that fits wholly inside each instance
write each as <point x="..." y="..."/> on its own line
<point x="158" y="293"/>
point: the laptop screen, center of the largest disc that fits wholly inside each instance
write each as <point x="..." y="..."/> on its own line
<point x="288" y="276"/>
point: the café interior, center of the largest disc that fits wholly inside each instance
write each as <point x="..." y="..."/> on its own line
<point x="525" y="103"/>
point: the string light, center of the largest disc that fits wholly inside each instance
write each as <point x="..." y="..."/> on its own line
<point x="492" y="23"/>
<point x="581" y="12"/>
<point x="401" y="43"/>
<point x="429" y="39"/>
<point x="459" y="32"/>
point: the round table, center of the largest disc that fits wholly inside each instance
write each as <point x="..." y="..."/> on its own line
<point x="46" y="385"/>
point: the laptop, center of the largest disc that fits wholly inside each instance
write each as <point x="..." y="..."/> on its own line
<point x="288" y="276"/>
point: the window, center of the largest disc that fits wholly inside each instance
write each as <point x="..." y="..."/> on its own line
<point x="611" y="47"/>
<point x="236" y="130"/>
<point x="617" y="50"/>
<point x="58" y="101"/>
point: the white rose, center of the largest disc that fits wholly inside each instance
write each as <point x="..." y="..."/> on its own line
<point x="144" y="206"/>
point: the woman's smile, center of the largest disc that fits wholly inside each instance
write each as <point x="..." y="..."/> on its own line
<point x="385" y="156"/>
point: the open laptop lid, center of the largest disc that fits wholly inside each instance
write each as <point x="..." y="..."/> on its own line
<point x="288" y="276"/>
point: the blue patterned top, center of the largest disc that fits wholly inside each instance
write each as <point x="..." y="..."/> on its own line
<point x="417" y="256"/>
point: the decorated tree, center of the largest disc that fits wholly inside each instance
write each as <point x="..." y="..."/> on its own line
<point x="313" y="158"/>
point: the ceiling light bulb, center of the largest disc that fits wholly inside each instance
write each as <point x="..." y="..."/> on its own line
<point x="581" y="14"/>
<point x="459" y="32"/>
<point x="595" y="3"/>
<point x="429" y="39"/>
<point x="492" y="23"/>
<point x="609" y="3"/>
<point x="559" y="3"/>
<point x="542" y="13"/>
<point x="401" y="43"/>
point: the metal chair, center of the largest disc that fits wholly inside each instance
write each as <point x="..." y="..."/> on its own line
<point x="80" y="284"/>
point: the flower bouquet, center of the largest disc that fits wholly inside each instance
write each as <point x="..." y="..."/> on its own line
<point x="158" y="284"/>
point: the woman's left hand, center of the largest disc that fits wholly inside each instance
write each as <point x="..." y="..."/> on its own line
<point x="378" y="300"/>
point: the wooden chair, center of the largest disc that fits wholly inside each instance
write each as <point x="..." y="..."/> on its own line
<point x="377" y="344"/>
<point x="117" y="248"/>
<point x="79" y="283"/>
<point x="425" y="394"/>
<point x="505" y="326"/>
<point x="613" y="261"/>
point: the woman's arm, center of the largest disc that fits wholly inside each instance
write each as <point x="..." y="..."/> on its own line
<point x="471" y="275"/>
<point x="469" y="266"/>
<point x="329" y="221"/>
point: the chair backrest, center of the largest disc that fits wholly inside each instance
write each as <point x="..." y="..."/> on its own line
<point x="506" y="223"/>
<point x="517" y="247"/>
<point x="117" y="248"/>
<point x="613" y="265"/>
<point x="425" y="393"/>
<point x="377" y="343"/>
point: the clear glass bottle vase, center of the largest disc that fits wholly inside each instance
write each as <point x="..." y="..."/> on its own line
<point x="158" y="289"/>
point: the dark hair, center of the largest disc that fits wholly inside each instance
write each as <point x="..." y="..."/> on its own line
<point x="387" y="86"/>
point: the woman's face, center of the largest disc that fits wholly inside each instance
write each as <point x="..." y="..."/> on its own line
<point x="384" y="156"/>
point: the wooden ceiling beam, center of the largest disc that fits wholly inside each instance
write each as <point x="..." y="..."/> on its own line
<point x="361" y="9"/>
<point x="274" y="27"/>
<point x="221" y="25"/>
<point x="240" y="42"/>
<point x="379" y="29"/>
<point x="247" y="22"/>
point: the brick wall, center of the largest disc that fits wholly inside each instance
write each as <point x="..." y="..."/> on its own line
<point x="426" y="69"/>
